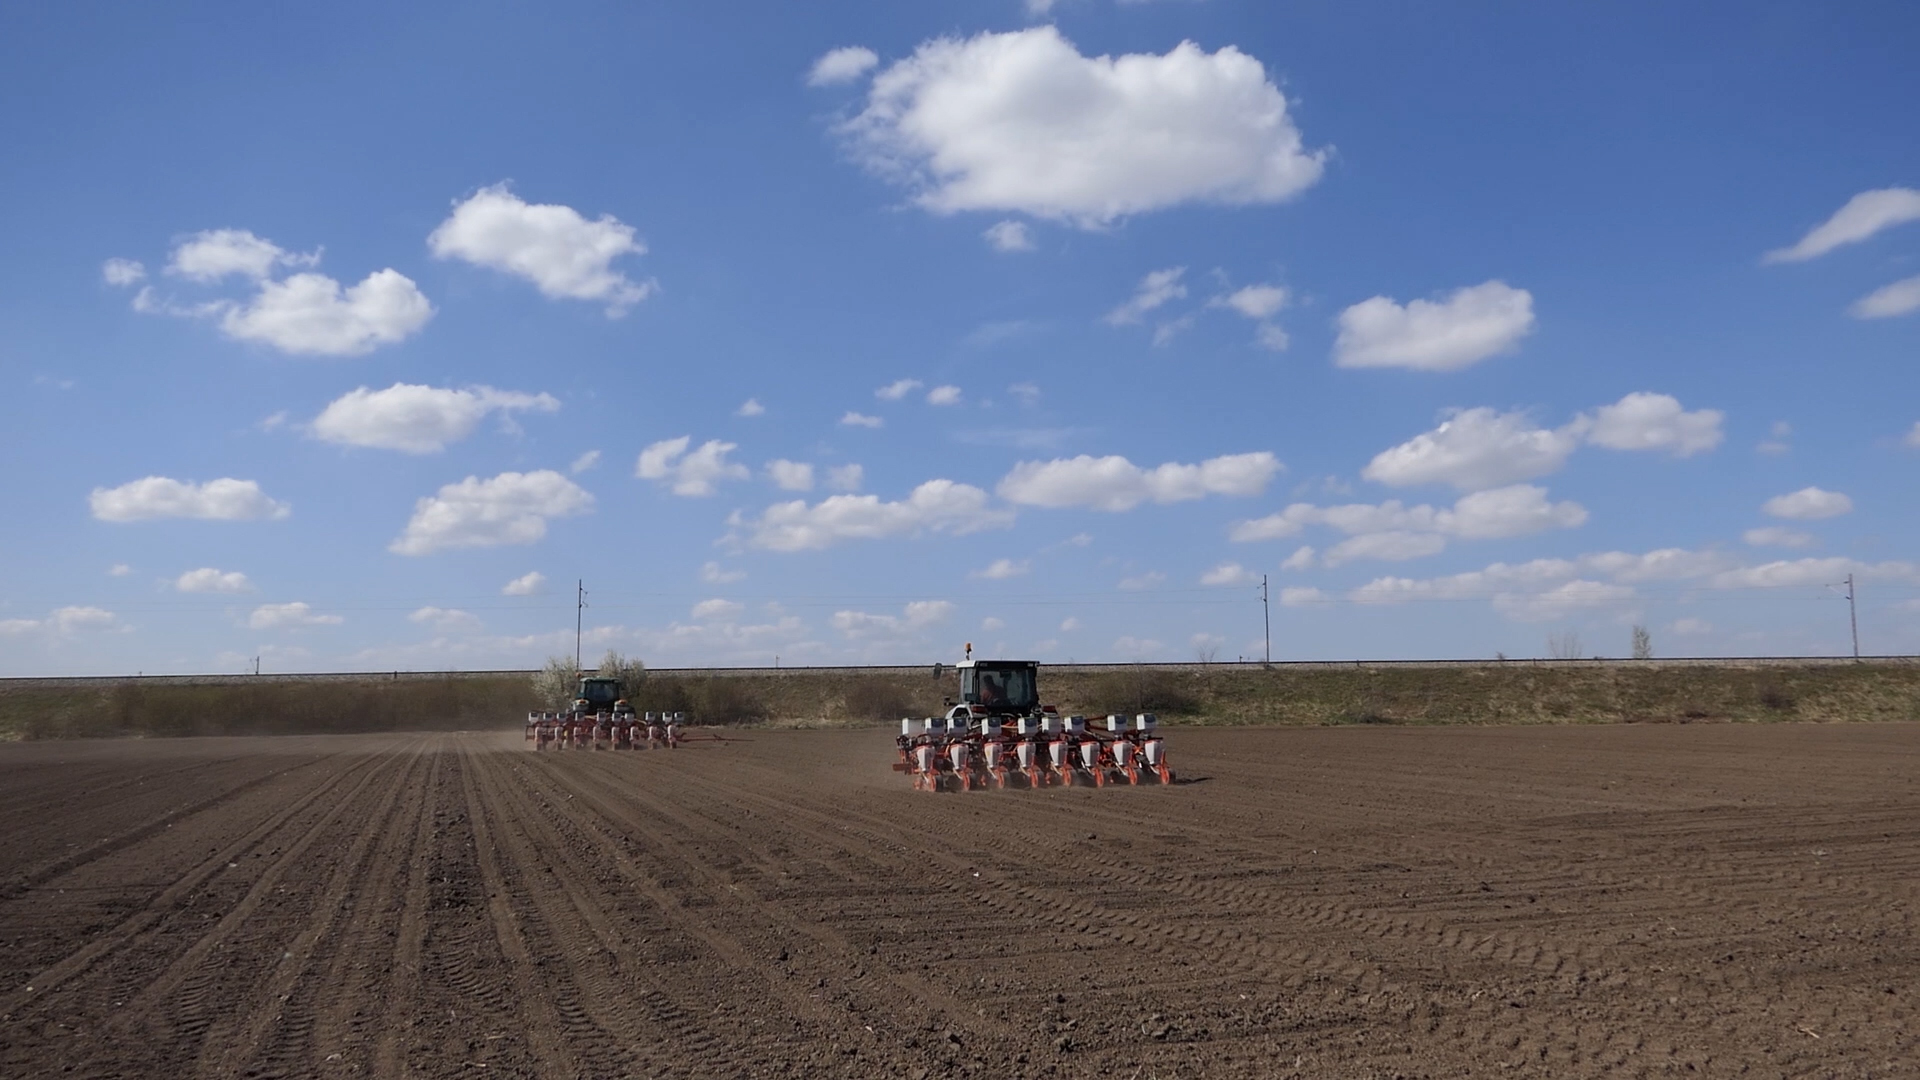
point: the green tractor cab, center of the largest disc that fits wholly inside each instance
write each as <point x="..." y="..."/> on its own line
<point x="598" y="694"/>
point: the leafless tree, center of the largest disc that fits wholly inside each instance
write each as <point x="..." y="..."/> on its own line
<point x="1642" y="644"/>
<point x="1564" y="646"/>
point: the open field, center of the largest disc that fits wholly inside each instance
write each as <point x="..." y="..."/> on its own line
<point x="1491" y="692"/>
<point x="1564" y="901"/>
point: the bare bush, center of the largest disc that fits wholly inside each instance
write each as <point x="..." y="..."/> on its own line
<point x="1564" y="646"/>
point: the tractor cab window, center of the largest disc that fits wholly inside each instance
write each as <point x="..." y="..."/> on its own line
<point x="600" y="692"/>
<point x="1006" y="689"/>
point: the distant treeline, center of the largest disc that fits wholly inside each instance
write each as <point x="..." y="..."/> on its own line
<point x="1492" y="693"/>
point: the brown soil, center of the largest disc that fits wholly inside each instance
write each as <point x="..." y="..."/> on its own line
<point x="1699" y="900"/>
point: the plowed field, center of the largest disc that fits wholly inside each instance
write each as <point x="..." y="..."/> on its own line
<point x="1700" y="900"/>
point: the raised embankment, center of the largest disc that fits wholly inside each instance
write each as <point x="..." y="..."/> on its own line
<point x="1405" y="692"/>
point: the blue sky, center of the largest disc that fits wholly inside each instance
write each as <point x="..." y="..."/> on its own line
<point x="350" y="338"/>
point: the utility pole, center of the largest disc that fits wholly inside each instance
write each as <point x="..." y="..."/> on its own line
<point x="1266" y="619"/>
<point x="1853" y="618"/>
<point x="579" y="608"/>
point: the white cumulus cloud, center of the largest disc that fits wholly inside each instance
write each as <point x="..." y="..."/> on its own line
<point x="944" y="395"/>
<point x="1113" y="483"/>
<point x="694" y="473"/>
<point x="1001" y="569"/>
<point x="1229" y="573"/>
<point x="154" y="497"/>
<point x="1643" y="421"/>
<point x="1466" y="327"/>
<point x="897" y="389"/>
<point x="1008" y="236"/>
<point x="511" y="508"/>
<point x="790" y="475"/>
<point x="563" y="254"/>
<point x="854" y="419"/>
<point x="936" y="506"/>
<point x="122" y="272"/>
<point x="525" y="585"/>
<point x="209" y="580"/>
<point x="1808" y="504"/>
<point x="1888" y="301"/>
<point x="584" y="462"/>
<point x="214" y="254"/>
<point x="421" y="419"/>
<point x="1475" y="448"/>
<point x="717" y="608"/>
<point x="288" y="617"/>
<point x="1301" y="596"/>
<point x="842" y="65"/>
<point x="1255" y="301"/>
<point x="751" y="407"/>
<point x="1023" y="122"/>
<point x="1301" y="559"/>
<point x="310" y="314"/>
<point x="1864" y="215"/>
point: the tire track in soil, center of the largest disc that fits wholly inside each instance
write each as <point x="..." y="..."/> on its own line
<point x="146" y="921"/>
<point x="738" y="929"/>
<point x="46" y="871"/>
<point x="465" y="1012"/>
<point x="193" y="1006"/>
<point x="546" y="1027"/>
<point x="344" y="926"/>
<point x="714" y="965"/>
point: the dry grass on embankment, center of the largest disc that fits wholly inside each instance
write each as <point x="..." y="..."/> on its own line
<point x="1491" y="693"/>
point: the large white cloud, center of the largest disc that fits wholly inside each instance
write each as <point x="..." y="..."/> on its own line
<point x="511" y="508"/>
<point x="208" y="579"/>
<point x="1900" y="298"/>
<point x="64" y="622"/>
<point x="417" y="419"/>
<point x="1391" y="530"/>
<point x="693" y="473"/>
<point x="309" y="314"/>
<point x="1551" y="588"/>
<point x="1466" y="327"/>
<point x="1643" y="421"/>
<point x="154" y="497"/>
<point x="1864" y="215"/>
<point x="562" y="253"/>
<point x="1113" y="483"/>
<point x="1021" y="121"/>
<point x="1475" y="448"/>
<point x="1792" y="573"/>
<point x="935" y="506"/>
<point x="216" y="253"/>
<point x="290" y="616"/>
<point x="1808" y="504"/>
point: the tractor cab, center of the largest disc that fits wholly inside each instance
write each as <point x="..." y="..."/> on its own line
<point x="1000" y="687"/>
<point x="599" y="695"/>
